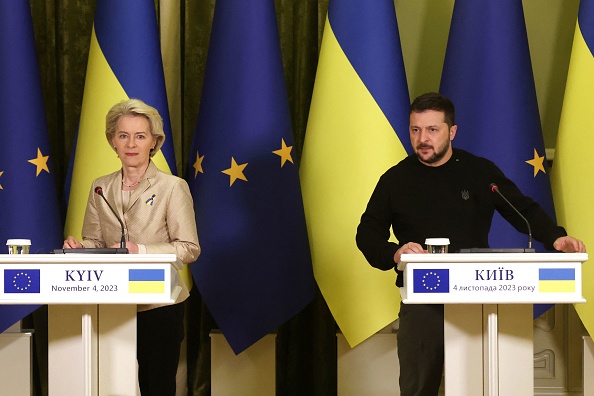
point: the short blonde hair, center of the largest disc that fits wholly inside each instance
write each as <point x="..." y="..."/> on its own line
<point x="135" y="107"/>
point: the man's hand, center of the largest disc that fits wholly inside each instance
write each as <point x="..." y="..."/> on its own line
<point x="569" y="244"/>
<point x="408" y="248"/>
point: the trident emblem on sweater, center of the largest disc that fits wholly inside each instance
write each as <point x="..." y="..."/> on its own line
<point x="465" y="195"/>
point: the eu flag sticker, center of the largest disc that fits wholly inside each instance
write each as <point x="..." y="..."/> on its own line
<point x="21" y="281"/>
<point x="431" y="280"/>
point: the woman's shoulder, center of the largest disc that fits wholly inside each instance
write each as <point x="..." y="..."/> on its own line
<point x="169" y="180"/>
<point x="167" y="177"/>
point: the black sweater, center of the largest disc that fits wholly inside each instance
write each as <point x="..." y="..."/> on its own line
<point x="452" y="201"/>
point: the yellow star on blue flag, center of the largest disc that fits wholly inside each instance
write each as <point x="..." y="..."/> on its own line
<point x="284" y="152"/>
<point x="40" y="162"/>
<point x="235" y="172"/>
<point x="538" y="163"/>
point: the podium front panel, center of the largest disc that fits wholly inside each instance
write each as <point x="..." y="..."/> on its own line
<point x="493" y="278"/>
<point x="88" y="279"/>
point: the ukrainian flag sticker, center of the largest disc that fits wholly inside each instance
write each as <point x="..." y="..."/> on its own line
<point x="146" y="281"/>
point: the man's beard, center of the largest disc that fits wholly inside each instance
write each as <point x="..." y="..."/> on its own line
<point x="437" y="155"/>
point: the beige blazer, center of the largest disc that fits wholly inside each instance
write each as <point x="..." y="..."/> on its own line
<point x="160" y="216"/>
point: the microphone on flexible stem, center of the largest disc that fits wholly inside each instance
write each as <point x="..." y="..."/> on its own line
<point x="99" y="191"/>
<point x="494" y="188"/>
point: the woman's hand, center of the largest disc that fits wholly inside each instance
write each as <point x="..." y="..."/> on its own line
<point x="71" y="243"/>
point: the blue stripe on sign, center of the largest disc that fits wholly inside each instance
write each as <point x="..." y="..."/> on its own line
<point x="146" y="275"/>
<point x="556" y="274"/>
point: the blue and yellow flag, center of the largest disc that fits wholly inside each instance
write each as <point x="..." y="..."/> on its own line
<point x="146" y="280"/>
<point x="488" y="75"/>
<point x="255" y="271"/>
<point x="573" y="187"/>
<point x="124" y="63"/>
<point x="556" y="280"/>
<point x="357" y="129"/>
<point x="28" y="195"/>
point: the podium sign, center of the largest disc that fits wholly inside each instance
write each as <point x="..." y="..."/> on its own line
<point x="92" y="312"/>
<point x="88" y="279"/>
<point x="488" y="297"/>
<point x="493" y="278"/>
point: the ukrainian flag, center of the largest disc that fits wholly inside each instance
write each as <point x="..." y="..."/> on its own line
<point x="573" y="189"/>
<point x="556" y="280"/>
<point x="146" y="281"/>
<point x="124" y="63"/>
<point x="357" y="129"/>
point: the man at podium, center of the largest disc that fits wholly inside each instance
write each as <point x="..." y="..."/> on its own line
<point x="440" y="191"/>
<point x="155" y="214"/>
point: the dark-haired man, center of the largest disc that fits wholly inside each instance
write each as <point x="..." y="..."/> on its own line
<point x="441" y="191"/>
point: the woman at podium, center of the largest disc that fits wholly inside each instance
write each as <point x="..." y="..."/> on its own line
<point x="144" y="210"/>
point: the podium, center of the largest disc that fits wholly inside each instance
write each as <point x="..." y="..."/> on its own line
<point x="488" y="311"/>
<point x="92" y="302"/>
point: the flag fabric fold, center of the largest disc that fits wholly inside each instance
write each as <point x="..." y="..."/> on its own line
<point x="573" y="189"/>
<point x="254" y="272"/>
<point x="487" y="73"/>
<point x="124" y="63"/>
<point x="28" y="195"/>
<point x="357" y="129"/>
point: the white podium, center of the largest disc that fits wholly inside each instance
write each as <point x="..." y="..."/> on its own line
<point x="488" y="309"/>
<point x="92" y="302"/>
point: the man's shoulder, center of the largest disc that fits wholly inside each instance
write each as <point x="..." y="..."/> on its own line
<point x="468" y="157"/>
<point x="404" y="165"/>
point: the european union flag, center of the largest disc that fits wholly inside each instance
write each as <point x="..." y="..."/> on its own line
<point x="28" y="196"/>
<point x="487" y="73"/>
<point x="431" y="280"/>
<point x="21" y="281"/>
<point x="255" y="271"/>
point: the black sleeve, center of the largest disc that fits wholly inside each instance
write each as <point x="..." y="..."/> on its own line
<point x="373" y="231"/>
<point x="544" y="229"/>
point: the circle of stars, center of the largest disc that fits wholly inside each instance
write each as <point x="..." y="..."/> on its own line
<point x="18" y="281"/>
<point x="434" y="278"/>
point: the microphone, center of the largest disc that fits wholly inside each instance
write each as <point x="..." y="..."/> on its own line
<point x="494" y="188"/>
<point x="99" y="191"/>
